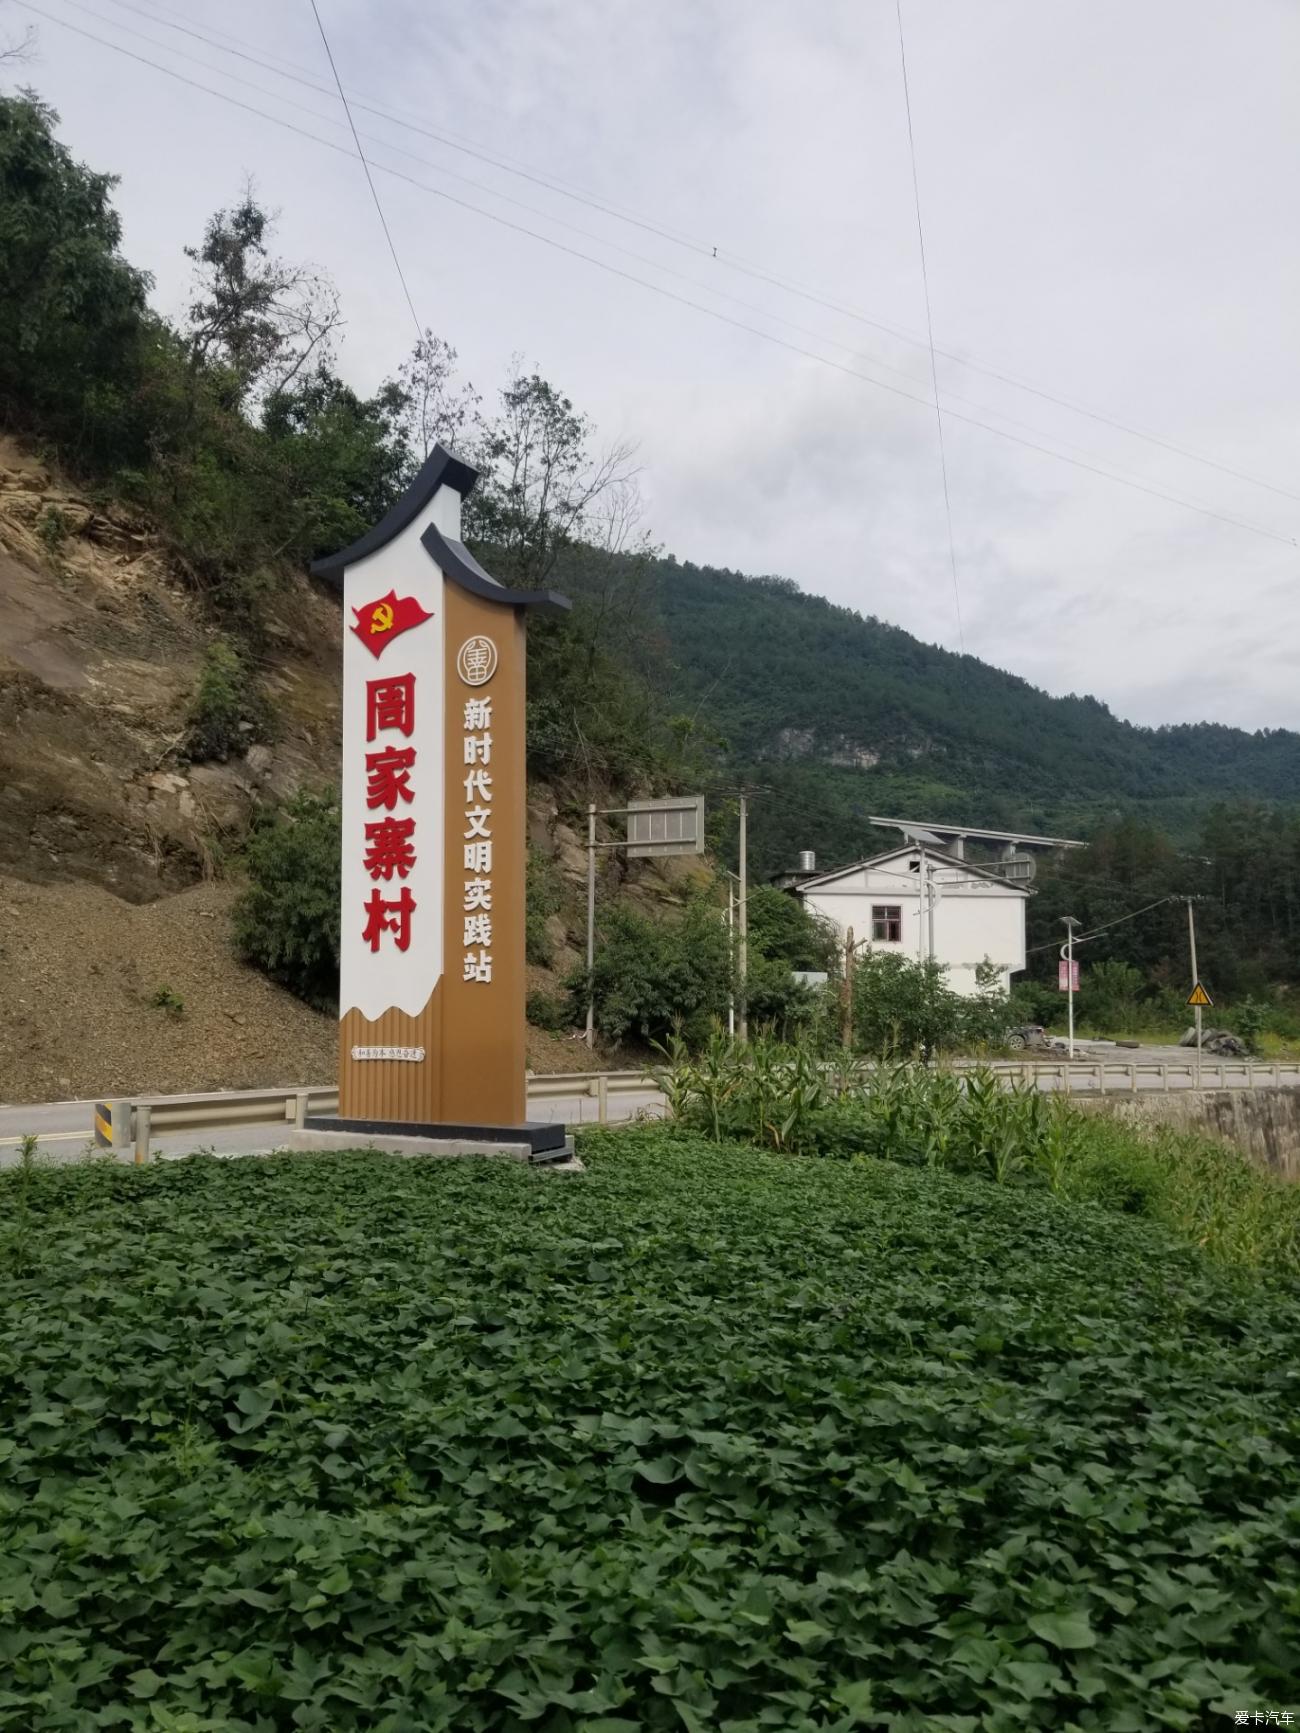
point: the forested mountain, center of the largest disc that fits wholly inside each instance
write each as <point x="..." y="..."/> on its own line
<point x="843" y="716"/>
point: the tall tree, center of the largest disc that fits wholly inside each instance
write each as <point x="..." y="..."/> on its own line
<point x="435" y="409"/>
<point x="73" y="317"/>
<point x="544" y="482"/>
<point x="260" y="318"/>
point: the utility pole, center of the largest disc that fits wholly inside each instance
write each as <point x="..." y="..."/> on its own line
<point x="929" y="913"/>
<point x="731" y="934"/>
<point x="1191" y="939"/>
<point x="742" y="927"/>
<point x="591" y="924"/>
<point x="846" y="993"/>
<point x="1068" y="953"/>
<point x="920" y="905"/>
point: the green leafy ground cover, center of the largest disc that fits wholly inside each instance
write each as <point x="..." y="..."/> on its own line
<point x="706" y="1439"/>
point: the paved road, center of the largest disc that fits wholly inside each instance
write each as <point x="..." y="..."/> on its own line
<point x="63" y="1128"/>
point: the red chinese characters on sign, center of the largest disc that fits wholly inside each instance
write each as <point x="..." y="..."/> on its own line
<point x="385" y="915"/>
<point x="390" y="842"/>
<point x="1067" y="976"/>
<point x="389" y="848"/>
<point x="390" y="704"/>
<point x="388" y="777"/>
<point x="378" y="623"/>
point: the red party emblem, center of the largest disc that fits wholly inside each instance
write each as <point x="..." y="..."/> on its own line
<point x="378" y="623"/>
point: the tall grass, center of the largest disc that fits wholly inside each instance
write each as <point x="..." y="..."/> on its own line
<point x="783" y="1098"/>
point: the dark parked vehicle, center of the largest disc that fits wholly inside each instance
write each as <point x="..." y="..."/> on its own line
<point x="1027" y="1035"/>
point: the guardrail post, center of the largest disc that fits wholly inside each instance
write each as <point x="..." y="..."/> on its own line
<point x="1164" y="1072"/>
<point x="602" y="1100"/>
<point x="1133" y="1079"/>
<point x="143" y="1117"/>
<point x="111" y="1124"/>
<point x="300" y="1109"/>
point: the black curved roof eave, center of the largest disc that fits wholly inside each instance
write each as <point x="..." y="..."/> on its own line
<point x="439" y="469"/>
<point x="460" y="566"/>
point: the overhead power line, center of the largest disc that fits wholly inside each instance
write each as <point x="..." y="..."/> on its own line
<point x="370" y="179"/>
<point x="929" y="327"/>
<point x="710" y="251"/>
<point x="1096" y="932"/>
<point x="1061" y="447"/>
<point x="665" y="293"/>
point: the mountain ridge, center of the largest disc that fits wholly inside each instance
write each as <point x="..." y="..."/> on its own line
<point x="867" y="717"/>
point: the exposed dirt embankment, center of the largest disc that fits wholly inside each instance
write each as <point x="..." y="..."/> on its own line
<point x="101" y="643"/>
<point x="103" y="995"/>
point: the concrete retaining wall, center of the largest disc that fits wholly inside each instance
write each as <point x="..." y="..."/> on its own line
<point x="1263" y="1123"/>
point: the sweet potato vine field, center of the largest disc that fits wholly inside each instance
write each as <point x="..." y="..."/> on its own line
<point x="704" y="1439"/>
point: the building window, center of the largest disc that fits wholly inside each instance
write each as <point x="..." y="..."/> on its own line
<point x="887" y="923"/>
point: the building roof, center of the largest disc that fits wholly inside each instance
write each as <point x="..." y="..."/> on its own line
<point x="440" y="469"/>
<point x="908" y="851"/>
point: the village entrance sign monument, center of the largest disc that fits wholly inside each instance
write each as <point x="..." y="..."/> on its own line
<point x="432" y="982"/>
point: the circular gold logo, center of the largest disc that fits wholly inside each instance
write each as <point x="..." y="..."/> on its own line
<point x="477" y="661"/>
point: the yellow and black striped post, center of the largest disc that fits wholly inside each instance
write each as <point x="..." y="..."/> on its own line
<point x="108" y="1115"/>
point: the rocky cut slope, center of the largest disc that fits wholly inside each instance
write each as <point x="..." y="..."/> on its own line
<point x="101" y="643"/>
<point x="118" y="866"/>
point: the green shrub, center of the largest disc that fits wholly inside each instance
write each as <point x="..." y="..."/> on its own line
<point x="984" y="1017"/>
<point x="229" y="712"/>
<point x="547" y="1011"/>
<point x="167" y="999"/>
<point x="287" y="921"/>
<point x="52" y="527"/>
<point x="543" y="898"/>
<point x="654" y="976"/>
<point x="700" y="1439"/>
<point x="902" y="1008"/>
<point x="1249" y="1020"/>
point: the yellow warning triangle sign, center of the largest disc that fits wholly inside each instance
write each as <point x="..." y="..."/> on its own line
<point x="1198" y="996"/>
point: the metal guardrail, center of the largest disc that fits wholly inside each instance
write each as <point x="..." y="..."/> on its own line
<point x="137" y="1122"/>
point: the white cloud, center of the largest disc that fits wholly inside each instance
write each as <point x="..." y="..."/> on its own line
<point x="1106" y="193"/>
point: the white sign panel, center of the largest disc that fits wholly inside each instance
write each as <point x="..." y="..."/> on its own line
<point x="393" y="776"/>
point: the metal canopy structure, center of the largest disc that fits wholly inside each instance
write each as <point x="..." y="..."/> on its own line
<point x="1010" y="841"/>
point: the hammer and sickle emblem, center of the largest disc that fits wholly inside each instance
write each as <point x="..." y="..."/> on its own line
<point x="381" y="620"/>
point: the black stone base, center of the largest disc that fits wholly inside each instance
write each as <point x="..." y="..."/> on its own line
<point x="545" y="1142"/>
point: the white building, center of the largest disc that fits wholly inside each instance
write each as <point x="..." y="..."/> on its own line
<point x="976" y="914"/>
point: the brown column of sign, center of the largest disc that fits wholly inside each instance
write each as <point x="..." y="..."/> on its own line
<point x="482" y="1054"/>
<point x="395" y="1090"/>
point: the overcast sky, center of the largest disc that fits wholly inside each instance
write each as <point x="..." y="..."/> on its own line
<point x="1110" y="204"/>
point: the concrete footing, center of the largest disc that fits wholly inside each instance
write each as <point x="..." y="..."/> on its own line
<point x="561" y="1156"/>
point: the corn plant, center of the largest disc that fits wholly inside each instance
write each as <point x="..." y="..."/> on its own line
<point x="676" y="1077"/>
